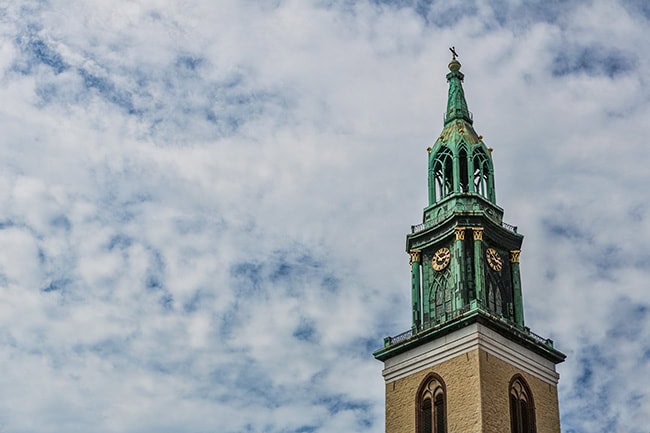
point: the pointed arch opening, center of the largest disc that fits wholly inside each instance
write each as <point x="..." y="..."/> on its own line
<point x="442" y="174"/>
<point x="431" y="410"/>
<point x="482" y="176"/>
<point x="442" y="296"/>
<point x="499" y="289"/>
<point x="463" y="161"/>
<point x="522" y="408"/>
<point x="439" y="298"/>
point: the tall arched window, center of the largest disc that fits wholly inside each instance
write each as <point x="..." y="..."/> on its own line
<point x="464" y="170"/>
<point x="442" y="169"/>
<point x="431" y="416"/>
<point x="522" y="409"/>
<point x="482" y="175"/>
<point x="438" y="296"/>
<point x="442" y="295"/>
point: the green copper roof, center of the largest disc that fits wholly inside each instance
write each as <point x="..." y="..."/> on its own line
<point x="456" y="104"/>
<point x="459" y="161"/>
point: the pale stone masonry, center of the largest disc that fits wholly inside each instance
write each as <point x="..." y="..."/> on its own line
<point x="477" y="365"/>
<point x="495" y="378"/>
<point x="461" y="376"/>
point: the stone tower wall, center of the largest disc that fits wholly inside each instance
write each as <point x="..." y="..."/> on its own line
<point x="495" y="378"/>
<point x="461" y="377"/>
<point x="477" y="366"/>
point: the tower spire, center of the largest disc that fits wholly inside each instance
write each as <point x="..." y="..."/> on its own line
<point x="468" y="363"/>
<point x="456" y="104"/>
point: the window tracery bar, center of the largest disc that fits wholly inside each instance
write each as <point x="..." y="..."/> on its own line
<point x="431" y="414"/>
<point x="522" y="411"/>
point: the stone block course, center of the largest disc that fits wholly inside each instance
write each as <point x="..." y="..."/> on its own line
<point x="477" y="396"/>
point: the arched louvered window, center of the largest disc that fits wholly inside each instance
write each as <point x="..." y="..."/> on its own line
<point x="483" y="175"/>
<point x="431" y="416"/>
<point x="464" y="170"/>
<point x="443" y="174"/>
<point x="498" y="286"/>
<point x="522" y="410"/>
<point x="438" y="296"/>
<point x="442" y="295"/>
<point x="495" y="299"/>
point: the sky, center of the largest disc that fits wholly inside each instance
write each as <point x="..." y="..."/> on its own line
<point x="203" y="204"/>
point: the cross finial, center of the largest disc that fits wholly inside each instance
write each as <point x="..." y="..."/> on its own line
<point x="453" y="52"/>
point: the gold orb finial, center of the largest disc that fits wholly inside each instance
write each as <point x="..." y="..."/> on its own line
<point x="454" y="65"/>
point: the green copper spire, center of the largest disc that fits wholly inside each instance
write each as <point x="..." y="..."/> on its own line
<point x="464" y="258"/>
<point x="456" y="104"/>
<point x="460" y="164"/>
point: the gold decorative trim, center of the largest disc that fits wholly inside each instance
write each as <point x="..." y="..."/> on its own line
<point x="478" y="233"/>
<point x="460" y="233"/>
<point x="514" y="256"/>
<point x="415" y="256"/>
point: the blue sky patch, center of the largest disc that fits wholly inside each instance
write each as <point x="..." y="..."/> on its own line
<point x="195" y="301"/>
<point x="638" y="7"/>
<point x="61" y="222"/>
<point x="338" y="403"/>
<point x="592" y="60"/>
<point x="57" y="285"/>
<point x="630" y="320"/>
<point x="306" y="331"/>
<point x="189" y="63"/>
<point x="167" y="302"/>
<point x="120" y="242"/>
<point x="248" y="277"/>
<point x="361" y="409"/>
<point x="330" y="283"/>
<point x="153" y="282"/>
<point x="37" y="52"/>
<point x="565" y="229"/>
<point x="109" y="91"/>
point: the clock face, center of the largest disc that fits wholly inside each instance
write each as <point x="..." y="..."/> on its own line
<point x="441" y="259"/>
<point x="494" y="259"/>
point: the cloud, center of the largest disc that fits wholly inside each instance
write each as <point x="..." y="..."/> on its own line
<point x="203" y="204"/>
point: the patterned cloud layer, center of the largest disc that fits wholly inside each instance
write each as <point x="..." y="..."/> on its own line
<point x="203" y="204"/>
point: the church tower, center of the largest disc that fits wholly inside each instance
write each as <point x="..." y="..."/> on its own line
<point x="468" y="364"/>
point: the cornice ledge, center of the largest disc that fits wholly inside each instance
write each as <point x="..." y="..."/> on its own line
<point x="472" y="337"/>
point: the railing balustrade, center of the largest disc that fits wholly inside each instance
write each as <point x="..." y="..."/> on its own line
<point x="417" y="228"/>
<point x="447" y="317"/>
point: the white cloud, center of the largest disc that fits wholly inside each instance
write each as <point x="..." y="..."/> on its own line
<point x="203" y="204"/>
